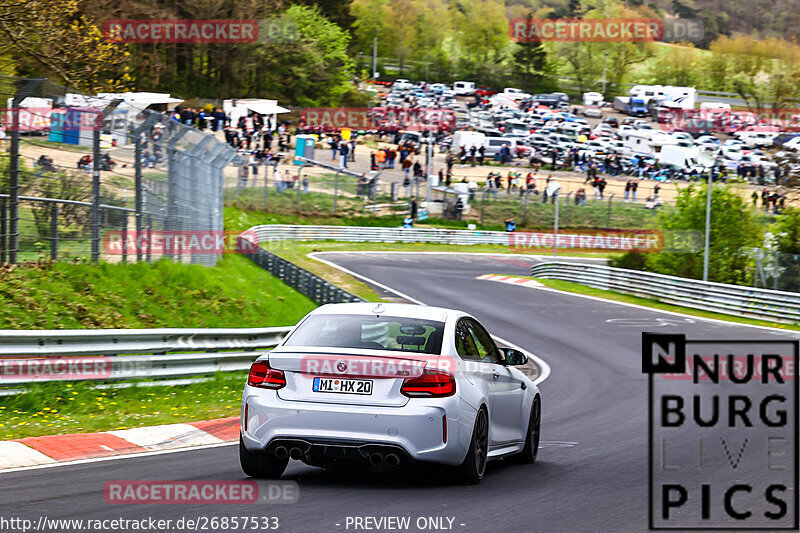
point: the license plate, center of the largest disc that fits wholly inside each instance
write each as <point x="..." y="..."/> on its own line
<point x="343" y="386"/>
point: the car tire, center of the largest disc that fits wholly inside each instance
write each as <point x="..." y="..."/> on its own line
<point x="473" y="468"/>
<point x="260" y="464"/>
<point x="531" y="449"/>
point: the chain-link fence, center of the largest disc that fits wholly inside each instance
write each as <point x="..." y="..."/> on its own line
<point x="776" y="270"/>
<point x="104" y="178"/>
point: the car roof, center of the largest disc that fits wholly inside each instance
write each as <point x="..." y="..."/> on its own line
<point x="423" y="312"/>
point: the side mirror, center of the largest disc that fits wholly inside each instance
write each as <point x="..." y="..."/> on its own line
<point x="514" y="357"/>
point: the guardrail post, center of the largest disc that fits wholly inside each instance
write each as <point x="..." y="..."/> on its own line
<point x="3" y="230"/>
<point x="54" y="232"/>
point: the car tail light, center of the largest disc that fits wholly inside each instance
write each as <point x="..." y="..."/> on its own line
<point x="431" y="384"/>
<point x="262" y="376"/>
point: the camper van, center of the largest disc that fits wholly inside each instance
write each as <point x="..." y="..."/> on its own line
<point x="647" y="142"/>
<point x="666" y="95"/>
<point x="464" y="88"/>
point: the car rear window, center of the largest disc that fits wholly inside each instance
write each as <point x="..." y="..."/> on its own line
<point x="369" y="332"/>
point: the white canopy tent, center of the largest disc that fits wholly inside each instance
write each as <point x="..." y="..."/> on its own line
<point x="241" y="107"/>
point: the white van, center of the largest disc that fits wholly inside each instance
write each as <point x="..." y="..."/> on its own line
<point x="466" y="139"/>
<point x="464" y="88"/>
<point x="715" y="106"/>
<point x="754" y="139"/>
<point x="515" y="94"/>
<point x="680" y="157"/>
<point x="494" y="144"/>
<point x="402" y="84"/>
<point x="593" y="98"/>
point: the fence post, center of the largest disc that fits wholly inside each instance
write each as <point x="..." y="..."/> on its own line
<point x="149" y="238"/>
<point x="266" y="185"/>
<point x="483" y="203"/>
<point x="125" y="238"/>
<point x="54" y="232"/>
<point x="96" y="130"/>
<point x="31" y="86"/>
<point x="608" y="216"/>
<point x="555" y="226"/>
<point x="335" y="191"/>
<point x="524" y="209"/>
<point x="138" y="186"/>
<point x="3" y="230"/>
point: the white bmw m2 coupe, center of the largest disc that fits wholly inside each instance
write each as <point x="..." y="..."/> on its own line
<point x="388" y="385"/>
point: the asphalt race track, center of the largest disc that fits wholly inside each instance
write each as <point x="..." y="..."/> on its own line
<point x="593" y="466"/>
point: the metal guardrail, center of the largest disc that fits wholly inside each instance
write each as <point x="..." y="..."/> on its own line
<point x="283" y="232"/>
<point x="317" y="289"/>
<point x="716" y="297"/>
<point x="30" y="356"/>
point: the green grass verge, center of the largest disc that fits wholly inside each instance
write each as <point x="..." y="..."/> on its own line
<point x="59" y="408"/>
<point x="236" y="293"/>
<point x="569" y="286"/>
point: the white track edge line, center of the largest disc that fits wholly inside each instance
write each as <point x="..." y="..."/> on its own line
<point x="578" y="295"/>
<point x="115" y="457"/>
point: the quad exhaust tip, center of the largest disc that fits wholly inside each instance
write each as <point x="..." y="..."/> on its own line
<point x="376" y="459"/>
<point x="295" y="453"/>
<point x="392" y="460"/>
<point x="281" y="452"/>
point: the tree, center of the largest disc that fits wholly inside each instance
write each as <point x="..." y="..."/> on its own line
<point x="315" y="71"/>
<point x="786" y="234"/>
<point x="676" y="66"/>
<point x="765" y="73"/>
<point x="482" y="36"/>
<point x="372" y="18"/>
<point x="531" y="66"/>
<point x="733" y="229"/>
<point x="53" y="38"/>
<point x="786" y="231"/>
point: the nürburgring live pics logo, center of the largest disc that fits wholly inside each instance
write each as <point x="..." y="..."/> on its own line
<point x="723" y="433"/>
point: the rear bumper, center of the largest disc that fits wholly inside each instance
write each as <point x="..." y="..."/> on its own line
<point x="415" y="430"/>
